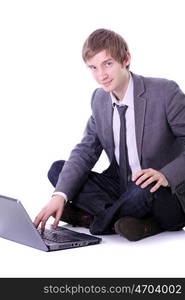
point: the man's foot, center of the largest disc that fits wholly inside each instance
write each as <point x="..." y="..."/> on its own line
<point x="76" y="216"/>
<point x="136" y="229"/>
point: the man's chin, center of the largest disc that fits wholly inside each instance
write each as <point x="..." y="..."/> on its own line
<point x="107" y="89"/>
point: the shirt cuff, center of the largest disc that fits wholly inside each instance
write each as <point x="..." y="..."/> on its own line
<point x="61" y="194"/>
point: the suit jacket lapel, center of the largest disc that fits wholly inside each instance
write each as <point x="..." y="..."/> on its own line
<point x="139" y="109"/>
<point x="107" y="113"/>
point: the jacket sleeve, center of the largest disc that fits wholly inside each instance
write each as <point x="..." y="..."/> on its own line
<point x="81" y="160"/>
<point x="175" y="108"/>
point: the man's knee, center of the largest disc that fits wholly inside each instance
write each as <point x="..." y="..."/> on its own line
<point x="54" y="171"/>
<point x="139" y="193"/>
<point x="137" y="201"/>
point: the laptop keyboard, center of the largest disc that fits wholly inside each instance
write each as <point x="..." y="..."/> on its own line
<point x="53" y="236"/>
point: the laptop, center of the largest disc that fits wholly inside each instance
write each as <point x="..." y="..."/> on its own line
<point x="17" y="226"/>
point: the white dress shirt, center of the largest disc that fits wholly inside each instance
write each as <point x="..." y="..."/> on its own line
<point x="128" y="100"/>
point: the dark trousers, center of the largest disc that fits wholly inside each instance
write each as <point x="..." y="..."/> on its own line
<point x="101" y="197"/>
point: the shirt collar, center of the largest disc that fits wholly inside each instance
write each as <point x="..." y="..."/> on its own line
<point x="128" y="98"/>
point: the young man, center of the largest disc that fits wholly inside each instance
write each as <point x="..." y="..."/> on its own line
<point x="140" y="123"/>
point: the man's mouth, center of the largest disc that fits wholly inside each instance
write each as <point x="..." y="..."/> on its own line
<point x="107" y="83"/>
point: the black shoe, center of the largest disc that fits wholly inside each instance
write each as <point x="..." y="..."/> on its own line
<point x="76" y="216"/>
<point x="136" y="229"/>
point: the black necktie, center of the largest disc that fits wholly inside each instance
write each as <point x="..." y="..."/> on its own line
<point x="123" y="155"/>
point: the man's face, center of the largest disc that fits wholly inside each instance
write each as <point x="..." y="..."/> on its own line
<point x="110" y="74"/>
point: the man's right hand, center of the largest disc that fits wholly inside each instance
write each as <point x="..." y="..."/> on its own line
<point x="54" y="208"/>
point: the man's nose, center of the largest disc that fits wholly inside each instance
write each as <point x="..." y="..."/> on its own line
<point x="102" y="75"/>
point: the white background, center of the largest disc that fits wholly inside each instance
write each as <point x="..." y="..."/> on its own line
<point x="42" y="77"/>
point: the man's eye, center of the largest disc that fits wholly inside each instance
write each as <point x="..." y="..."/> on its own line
<point x="93" y="68"/>
<point x="109" y="64"/>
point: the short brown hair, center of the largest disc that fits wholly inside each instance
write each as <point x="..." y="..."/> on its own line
<point x="104" y="39"/>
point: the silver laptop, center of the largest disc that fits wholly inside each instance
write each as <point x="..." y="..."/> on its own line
<point x="17" y="226"/>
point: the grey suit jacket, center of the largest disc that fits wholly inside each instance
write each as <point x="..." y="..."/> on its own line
<point x="160" y="135"/>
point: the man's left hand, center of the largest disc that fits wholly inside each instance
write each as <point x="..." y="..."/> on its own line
<point x="147" y="176"/>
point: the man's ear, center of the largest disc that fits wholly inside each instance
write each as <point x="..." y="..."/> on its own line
<point x="127" y="59"/>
